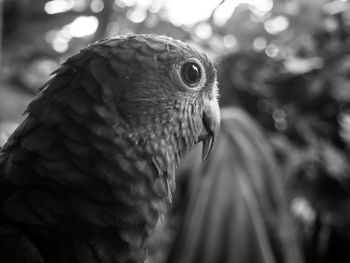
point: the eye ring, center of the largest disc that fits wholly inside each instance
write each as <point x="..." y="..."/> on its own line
<point x="191" y="73"/>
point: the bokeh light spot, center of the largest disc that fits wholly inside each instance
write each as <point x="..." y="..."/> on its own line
<point x="83" y="26"/>
<point x="276" y="24"/>
<point x="259" y="43"/>
<point x="203" y="30"/>
<point x="58" y="6"/>
<point x="96" y="6"/>
<point x="137" y="15"/>
<point x="230" y="41"/>
<point x="272" y="50"/>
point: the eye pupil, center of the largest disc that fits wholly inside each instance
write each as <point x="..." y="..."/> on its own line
<point x="191" y="73"/>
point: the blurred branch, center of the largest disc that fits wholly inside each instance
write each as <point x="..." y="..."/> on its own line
<point x="211" y="18"/>
<point x="103" y="19"/>
<point x="1" y="25"/>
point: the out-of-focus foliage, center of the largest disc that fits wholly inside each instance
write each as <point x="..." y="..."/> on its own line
<point x="287" y="65"/>
<point x="298" y="89"/>
<point x="235" y="209"/>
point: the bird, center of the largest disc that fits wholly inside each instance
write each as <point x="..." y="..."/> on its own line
<point x="91" y="169"/>
<point x="233" y="207"/>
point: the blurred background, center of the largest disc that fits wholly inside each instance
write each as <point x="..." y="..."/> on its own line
<point x="282" y="64"/>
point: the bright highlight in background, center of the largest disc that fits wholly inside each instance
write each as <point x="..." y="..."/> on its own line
<point x="179" y="12"/>
<point x="187" y="12"/>
<point x="83" y="26"/>
<point x="276" y="25"/>
<point x="58" y="6"/>
<point x="224" y="12"/>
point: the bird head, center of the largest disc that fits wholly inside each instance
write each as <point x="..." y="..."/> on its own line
<point x="165" y="92"/>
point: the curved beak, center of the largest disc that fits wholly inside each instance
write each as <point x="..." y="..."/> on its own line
<point x="211" y="122"/>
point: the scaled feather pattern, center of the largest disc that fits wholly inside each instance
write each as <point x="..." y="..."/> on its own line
<point x="86" y="176"/>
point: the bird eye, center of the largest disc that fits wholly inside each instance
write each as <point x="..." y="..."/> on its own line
<point x="191" y="73"/>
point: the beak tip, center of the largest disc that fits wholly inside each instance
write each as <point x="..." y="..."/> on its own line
<point x="211" y="121"/>
<point x="207" y="146"/>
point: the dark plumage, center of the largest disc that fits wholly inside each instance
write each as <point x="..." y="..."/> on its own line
<point x="87" y="174"/>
